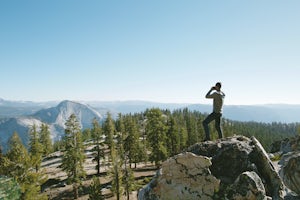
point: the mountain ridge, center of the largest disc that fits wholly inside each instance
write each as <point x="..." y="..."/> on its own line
<point x="55" y="117"/>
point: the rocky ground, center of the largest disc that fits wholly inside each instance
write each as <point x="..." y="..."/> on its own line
<point x="57" y="189"/>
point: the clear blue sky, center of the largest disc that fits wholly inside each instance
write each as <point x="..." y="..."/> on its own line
<point x="156" y="50"/>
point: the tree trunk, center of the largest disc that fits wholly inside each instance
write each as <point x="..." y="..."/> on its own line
<point x="117" y="186"/>
<point x="98" y="162"/>
<point x="75" y="188"/>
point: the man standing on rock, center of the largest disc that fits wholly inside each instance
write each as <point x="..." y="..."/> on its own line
<point x="218" y="99"/>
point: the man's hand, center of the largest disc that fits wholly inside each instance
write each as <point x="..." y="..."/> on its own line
<point x="213" y="88"/>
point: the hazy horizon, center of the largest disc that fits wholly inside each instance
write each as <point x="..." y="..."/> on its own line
<point x="145" y="101"/>
<point x="158" y="51"/>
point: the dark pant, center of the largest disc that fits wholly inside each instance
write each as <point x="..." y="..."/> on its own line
<point x="209" y="118"/>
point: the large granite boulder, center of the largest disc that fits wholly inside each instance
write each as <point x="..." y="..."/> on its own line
<point x="235" y="155"/>
<point x="290" y="171"/>
<point x="227" y="160"/>
<point x="185" y="176"/>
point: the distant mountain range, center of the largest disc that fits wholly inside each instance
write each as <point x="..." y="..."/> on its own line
<point x="20" y="108"/>
<point x="20" y="116"/>
<point x="55" y="117"/>
<point x="267" y="113"/>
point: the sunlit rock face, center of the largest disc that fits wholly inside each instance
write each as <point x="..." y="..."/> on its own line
<point x="290" y="171"/>
<point x="185" y="176"/>
<point x="231" y="168"/>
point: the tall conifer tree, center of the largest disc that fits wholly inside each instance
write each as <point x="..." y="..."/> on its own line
<point x="73" y="157"/>
<point x="116" y="172"/>
<point x="173" y="137"/>
<point x="45" y="140"/>
<point x="156" y="135"/>
<point x="128" y="179"/>
<point x="35" y="148"/>
<point x="96" y="134"/>
<point x="109" y="131"/>
<point x="121" y="134"/>
<point x="132" y="144"/>
<point x="17" y="164"/>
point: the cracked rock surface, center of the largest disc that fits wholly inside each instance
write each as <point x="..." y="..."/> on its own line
<point x="184" y="176"/>
<point x="232" y="168"/>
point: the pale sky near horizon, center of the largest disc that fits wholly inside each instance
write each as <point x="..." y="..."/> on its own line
<point x="160" y="50"/>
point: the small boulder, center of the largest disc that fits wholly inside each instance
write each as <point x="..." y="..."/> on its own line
<point x="248" y="186"/>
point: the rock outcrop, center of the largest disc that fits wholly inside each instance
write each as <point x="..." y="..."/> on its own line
<point x="289" y="165"/>
<point x="185" y="176"/>
<point x="290" y="171"/>
<point x="231" y="168"/>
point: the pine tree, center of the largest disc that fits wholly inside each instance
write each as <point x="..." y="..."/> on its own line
<point x="128" y="180"/>
<point x="143" y="155"/>
<point x="31" y="186"/>
<point x="109" y="131"/>
<point x="86" y="134"/>
<point x="201" y="128"/>
<point x="17" y="158"/>
<point x="73" y="157"/>
<point x="183" y="137"/>
<point x="96" y="134"/>
<point x="120" y="127"/>
<point x="191" y="126"/>
<point x="173" y="137"/>
<point x="95" y="192"/>
<point x="116" y="172"/>
<point x="121" y="135"/>
<point x="17" y="165"/>
<point x="35" y="148"/>
<point x="45" y="140"/>
<point x="156" y="135"/>
<point x="132" y="143"/>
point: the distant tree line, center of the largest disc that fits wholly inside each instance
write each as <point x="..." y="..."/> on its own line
<point x="121" y="143"/>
